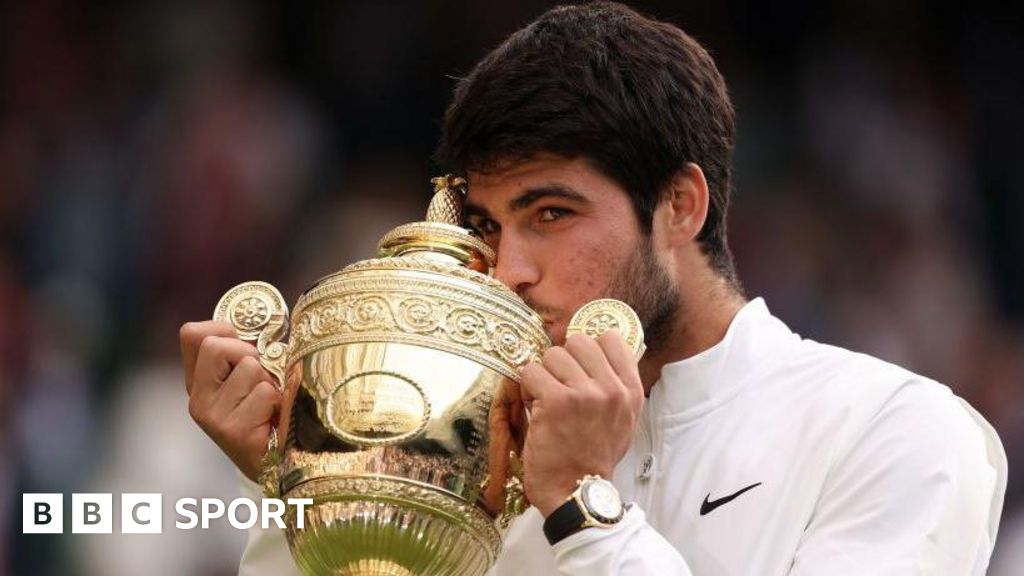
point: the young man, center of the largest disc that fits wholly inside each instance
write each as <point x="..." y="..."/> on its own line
<point x="598" y="145"/>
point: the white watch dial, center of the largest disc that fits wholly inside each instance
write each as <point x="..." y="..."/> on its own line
<point x="602" y="500"/>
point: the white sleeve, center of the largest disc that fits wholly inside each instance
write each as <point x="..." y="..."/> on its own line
<point x="631" y="547"/>
<point x="266" y="551"/>
<point x="919" y="493"/>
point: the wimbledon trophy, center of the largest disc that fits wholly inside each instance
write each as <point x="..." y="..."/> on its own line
<point x="398" y="378"/>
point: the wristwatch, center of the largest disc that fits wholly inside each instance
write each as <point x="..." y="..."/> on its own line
<point x="594" y="503"/>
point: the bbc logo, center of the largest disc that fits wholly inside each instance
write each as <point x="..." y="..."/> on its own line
<point x="141" y="513"/>
<point x="91" y="513"/>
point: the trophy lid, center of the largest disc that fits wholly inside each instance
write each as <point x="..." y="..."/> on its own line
<point x="431" y="286"/>
<point x="441" y="236"/>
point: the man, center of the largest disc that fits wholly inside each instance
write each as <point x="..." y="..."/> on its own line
<point x="598" y="146"/>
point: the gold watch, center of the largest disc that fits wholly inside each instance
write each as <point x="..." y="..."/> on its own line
<point x="594" y="503"/>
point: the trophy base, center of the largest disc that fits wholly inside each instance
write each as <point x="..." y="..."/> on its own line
<point x="386" y="526"/>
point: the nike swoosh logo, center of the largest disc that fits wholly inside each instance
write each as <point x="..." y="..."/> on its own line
<point x="708" y="506"/>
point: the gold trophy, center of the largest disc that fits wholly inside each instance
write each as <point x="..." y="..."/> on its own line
<point x="399" y="379"/>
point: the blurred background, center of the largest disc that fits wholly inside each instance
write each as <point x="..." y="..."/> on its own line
<point x="153" y="154"/>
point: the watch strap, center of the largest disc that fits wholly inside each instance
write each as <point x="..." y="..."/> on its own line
<point x="565" y="521"/>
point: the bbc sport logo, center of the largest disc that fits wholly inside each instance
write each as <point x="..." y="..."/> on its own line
<point x="142" y="513"/>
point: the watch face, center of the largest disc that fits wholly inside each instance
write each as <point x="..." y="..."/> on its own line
<point x="602" y="500"/>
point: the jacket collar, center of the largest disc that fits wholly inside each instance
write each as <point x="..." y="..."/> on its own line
<point x="696" y="385"/>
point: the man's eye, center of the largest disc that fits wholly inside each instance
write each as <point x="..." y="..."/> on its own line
<point x="552" y="214"/>
<point x="484" y="226"/>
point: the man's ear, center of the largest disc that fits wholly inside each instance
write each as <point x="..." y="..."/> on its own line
<point x="684" y="206"/>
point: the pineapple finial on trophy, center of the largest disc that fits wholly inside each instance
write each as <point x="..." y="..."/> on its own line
<point x="449" y="195"/>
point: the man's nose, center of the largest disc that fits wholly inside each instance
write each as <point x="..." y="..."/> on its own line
<point x="515" y="267"/>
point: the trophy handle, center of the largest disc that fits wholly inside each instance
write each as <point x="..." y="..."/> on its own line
<point x="259" y="315"/>
<point x="599" y="316"/>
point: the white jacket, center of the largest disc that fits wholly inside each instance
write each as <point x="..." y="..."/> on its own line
<point x="850" y="466"/>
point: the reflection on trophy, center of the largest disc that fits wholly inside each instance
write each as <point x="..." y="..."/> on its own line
<point x="399" y="377"/>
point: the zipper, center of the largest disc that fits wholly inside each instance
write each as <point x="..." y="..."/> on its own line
<point x="645" y="485"/>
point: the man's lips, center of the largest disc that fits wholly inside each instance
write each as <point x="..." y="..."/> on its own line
<point x="555" y="331"/>
<point x="548" y="317"/>
<point x="549" y="327"/>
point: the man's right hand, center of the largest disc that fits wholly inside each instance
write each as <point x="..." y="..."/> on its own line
<point x="230" y="396"/>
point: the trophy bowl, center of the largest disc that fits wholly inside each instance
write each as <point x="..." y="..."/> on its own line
<point x="399" y="379"/>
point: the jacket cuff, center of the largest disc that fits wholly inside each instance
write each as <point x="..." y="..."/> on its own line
<point x="595" y="539"/>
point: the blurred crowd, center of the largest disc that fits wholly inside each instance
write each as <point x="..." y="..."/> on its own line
<point x="153" y="154"/>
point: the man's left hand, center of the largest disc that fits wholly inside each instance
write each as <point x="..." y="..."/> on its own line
<point x="585" y="400"/>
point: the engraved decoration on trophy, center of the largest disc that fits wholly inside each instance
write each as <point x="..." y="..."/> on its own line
<point x="392" y="371"/>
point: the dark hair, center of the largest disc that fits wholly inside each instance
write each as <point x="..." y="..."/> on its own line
<point x="636" y="97"/>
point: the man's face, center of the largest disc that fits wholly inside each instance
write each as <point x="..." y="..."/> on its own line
<point x="566" y="234"/>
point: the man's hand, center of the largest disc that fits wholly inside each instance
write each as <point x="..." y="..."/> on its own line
<point x="231" y="397"/>
<point x="585" y="403"/>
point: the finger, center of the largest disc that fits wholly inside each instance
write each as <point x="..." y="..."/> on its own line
<point x="498" y="447"/>
<point x="525" y="394"/>
<point x="191" y="337"/>
<point x="259" y="406"/>
<point x="218" y="356"/>
<point x="501" y="442"/>
<point x="514" y="398"/>
<point x="591" y="357"/>
<point x="560" y="364"/>
<point x="517" y="408"/>
<point x="621" y="360"/>
<point x="242" y="380"/>
<point x="538" y="383"/>
<point x="509" y="397"/>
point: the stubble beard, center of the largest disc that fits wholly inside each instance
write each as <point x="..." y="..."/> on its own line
<point x="643" y="284"/>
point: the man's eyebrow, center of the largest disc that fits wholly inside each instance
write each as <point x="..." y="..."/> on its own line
<point x="528" y="197"/>
<point x="532" y="195"/>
